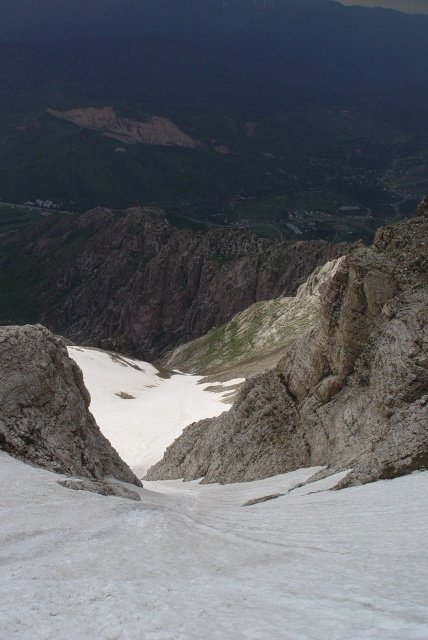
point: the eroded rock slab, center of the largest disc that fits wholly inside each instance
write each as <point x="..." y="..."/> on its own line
<point x="102" y="488"/>
<point x="272" y="496"/>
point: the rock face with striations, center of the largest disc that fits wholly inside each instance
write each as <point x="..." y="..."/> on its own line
<point x="131" y="282"/>
<point x="44" y="416"/>
<point x="351" y="394"/>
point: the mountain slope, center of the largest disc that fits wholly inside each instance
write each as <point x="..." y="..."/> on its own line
<point x="311" y="120"/>
<point x="255" y="339"/>
<point x="350" y="394"/>
<point x="131" y="282"/>
<point x="313" y="40"/>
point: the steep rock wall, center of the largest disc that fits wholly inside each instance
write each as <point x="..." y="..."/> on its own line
<point x="44" y="416"/>
<point x="255" y="339"/>
<point x="350" y="394"/>
<point x="132" y="283"/>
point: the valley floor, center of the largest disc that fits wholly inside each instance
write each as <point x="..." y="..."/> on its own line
<point x="189" y="562"/>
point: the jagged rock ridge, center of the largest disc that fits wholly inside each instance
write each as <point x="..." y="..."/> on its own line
<point x="44" y="416"/>
<point x="350" y="394"/>
<point x="131" y="282"/>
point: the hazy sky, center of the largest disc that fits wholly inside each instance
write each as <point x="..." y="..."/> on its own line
<point x="410" y="6"/>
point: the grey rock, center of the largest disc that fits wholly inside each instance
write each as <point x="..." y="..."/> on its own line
<point x="422" y="209"/>
<point x="352" y="393"/>
<point x="44" y="415"/>
<point x="103" y="488"/>
<point x="254" y="340"/>
<point x="272" y="496"/>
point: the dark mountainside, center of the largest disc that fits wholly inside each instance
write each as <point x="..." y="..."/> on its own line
<point x="350" y="394"/>
<point x="44" y="416"/>
<point x="298" y="41"/>
<point x="309" y="117"/>
<point x="131" y="282"/>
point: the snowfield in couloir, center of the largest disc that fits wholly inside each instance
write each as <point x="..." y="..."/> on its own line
<point x="188" y="562"/>
<point x="140" y="409"/>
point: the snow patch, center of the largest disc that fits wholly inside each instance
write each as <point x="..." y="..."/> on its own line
<point x="142" y="410"/>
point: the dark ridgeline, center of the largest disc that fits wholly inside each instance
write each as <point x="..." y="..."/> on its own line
<point x="133" y="283"/>
<point x="297" y="41"/>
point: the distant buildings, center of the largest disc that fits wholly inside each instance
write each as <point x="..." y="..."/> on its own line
<point x="42" y="204"/>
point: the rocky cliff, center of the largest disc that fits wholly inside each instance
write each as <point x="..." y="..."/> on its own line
<point x="131" y="282"/>
<point x="44" y="416"/>
<point x="255" y="339"/>
<point x="350" y="394"/>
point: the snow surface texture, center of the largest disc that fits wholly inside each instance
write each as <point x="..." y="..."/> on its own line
<point x="140" y="409"/>
<point x="188" y="562"/>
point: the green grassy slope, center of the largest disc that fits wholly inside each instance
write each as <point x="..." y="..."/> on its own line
<point x="255" y="339"/>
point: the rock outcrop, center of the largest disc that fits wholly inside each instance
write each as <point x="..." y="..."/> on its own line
<point x="350" y="394"/>
<point x="422" y="210"/>
<point x="44" y="416"/>
<point x="130" y="282"/>
<point x="255" y="339"/>
<point x="102" y="488"/>
<point x="155" y="130"/>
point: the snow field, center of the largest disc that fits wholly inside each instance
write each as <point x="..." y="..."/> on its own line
<point x="190" y="563"/>
<point x="141" y="427"/>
